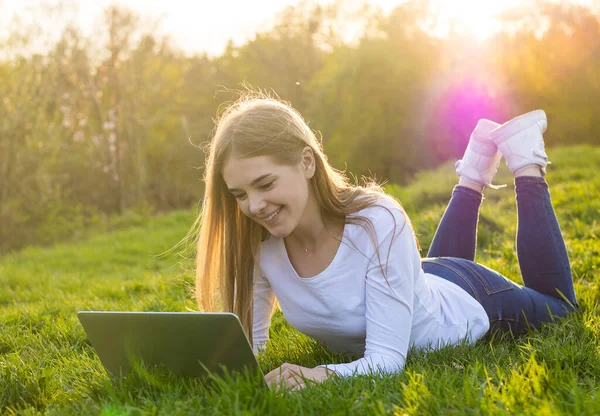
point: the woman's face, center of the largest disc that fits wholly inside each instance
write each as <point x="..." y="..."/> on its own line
<point x="271" y="194"/>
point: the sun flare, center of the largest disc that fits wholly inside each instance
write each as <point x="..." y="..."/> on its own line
<point x="471" y="17"/>
<point x="475" y="17"/>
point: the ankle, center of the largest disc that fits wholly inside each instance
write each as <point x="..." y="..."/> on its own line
<point x="472" y="185"/>
<point x="531" y="170"/>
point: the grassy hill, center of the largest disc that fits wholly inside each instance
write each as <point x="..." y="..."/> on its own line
<point x="48" y="366"/>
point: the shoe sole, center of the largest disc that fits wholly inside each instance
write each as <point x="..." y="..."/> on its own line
<point x="505" y="132"/>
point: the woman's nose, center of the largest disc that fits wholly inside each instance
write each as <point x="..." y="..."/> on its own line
<point x="257" y="205"/>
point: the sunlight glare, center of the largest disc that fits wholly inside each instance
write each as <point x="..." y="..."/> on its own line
<point x="475" y="17"/>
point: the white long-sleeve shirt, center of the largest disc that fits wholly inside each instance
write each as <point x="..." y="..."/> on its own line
<point x="350" y="307"/>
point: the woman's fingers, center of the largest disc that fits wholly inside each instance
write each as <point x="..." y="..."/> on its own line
<point x="288" y="375"/>
<point x="277" y="371"/>
<point x="295" y="377"/>
<point x="290" y="380"/>
<point x="299" y="386"/>
<point x="274" y="375"/>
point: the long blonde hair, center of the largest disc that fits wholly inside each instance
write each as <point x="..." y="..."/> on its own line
<point x="228" y="242"/>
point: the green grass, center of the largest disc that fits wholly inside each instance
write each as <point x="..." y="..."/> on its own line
<point x="47" y="366"/>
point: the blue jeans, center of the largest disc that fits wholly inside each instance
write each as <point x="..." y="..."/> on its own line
<point x="541" y="251"/>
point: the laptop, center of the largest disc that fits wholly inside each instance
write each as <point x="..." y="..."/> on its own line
<point x="189" y="344"/>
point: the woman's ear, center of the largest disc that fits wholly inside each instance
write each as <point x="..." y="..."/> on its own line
<point x="308" y="162"/>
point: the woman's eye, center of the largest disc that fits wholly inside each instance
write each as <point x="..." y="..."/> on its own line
<point x="264" y="187"/>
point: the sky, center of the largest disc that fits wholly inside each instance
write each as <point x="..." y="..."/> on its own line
<point x="195" y="26"/>
<point x="207" y="25"/>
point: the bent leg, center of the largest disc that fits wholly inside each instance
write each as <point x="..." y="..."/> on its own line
<point x="509" y="306"/>
<point x="541" y="249"/>
<point x="456" y="235"/>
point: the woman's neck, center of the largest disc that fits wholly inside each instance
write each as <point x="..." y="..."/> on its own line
<point x="315" y="233"/>
<point x="314" y="229"/>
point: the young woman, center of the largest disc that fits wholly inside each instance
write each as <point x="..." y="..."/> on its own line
<point x="343" y="261"/>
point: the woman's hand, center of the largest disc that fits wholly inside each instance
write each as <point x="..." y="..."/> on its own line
<point x="293" y="376"/>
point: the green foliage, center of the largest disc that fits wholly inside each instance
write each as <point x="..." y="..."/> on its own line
<point x="48" y="367"/>
<point x="100" y="126"/>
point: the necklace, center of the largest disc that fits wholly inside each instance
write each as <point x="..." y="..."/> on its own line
<point x="323" y="230"/>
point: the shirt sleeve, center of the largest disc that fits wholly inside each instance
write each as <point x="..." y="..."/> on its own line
<point x="264" y="298"/>
<point x="389" y="302"/>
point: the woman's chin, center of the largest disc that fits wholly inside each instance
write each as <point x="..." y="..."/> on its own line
<point x="278" y="231"/>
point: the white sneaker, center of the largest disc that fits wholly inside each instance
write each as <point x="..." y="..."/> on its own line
<point x="521" y="142"/>
<point x="482" y="158"/>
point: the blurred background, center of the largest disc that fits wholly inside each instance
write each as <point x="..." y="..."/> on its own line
<point x="105" y="106"/>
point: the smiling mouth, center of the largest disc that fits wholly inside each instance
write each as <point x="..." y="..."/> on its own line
<point x="270" y="217"/>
